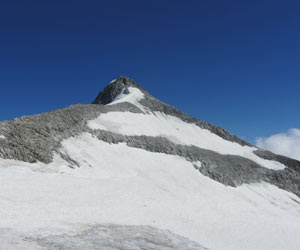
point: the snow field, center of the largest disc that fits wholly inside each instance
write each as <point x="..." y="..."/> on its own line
<point x="130" y="186"/>
<point x="177" y="131"/>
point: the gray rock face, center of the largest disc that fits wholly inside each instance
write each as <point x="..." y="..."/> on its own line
<point x="112" y="237"/>
<point x="36" y="138"/>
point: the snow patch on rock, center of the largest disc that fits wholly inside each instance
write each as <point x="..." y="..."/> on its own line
<point x="132" y="97"/>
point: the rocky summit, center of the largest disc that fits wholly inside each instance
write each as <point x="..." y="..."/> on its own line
<point x="131" y="172"/>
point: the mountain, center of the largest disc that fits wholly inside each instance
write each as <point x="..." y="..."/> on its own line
<point x="131" y="172"/>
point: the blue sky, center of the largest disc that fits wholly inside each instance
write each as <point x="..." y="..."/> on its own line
<point x="232" y="63"/>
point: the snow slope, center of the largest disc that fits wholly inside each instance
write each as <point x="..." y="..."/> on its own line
<point x="172" y="128"/>
<point x="122" y="185"/>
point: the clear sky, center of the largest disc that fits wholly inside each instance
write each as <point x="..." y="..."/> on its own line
<point x="233" y="63"/>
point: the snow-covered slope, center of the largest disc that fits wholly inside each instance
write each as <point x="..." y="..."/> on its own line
<point x="137" y="174"/>
<point x="158" y="124"/>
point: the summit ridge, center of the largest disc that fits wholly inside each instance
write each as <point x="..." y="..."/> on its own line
<point x="113" y="89"/>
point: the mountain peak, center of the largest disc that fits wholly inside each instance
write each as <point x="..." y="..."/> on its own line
<point x="115" y="88"/>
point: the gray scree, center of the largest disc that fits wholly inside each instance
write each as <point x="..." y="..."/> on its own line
<point x="112" y="237"/>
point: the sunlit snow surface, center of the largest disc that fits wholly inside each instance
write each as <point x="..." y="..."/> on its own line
<point x="172" y="128"/>
<point x="122" y="185"/>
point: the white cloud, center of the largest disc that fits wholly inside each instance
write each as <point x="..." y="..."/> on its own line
<point x="287" y="144"/>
